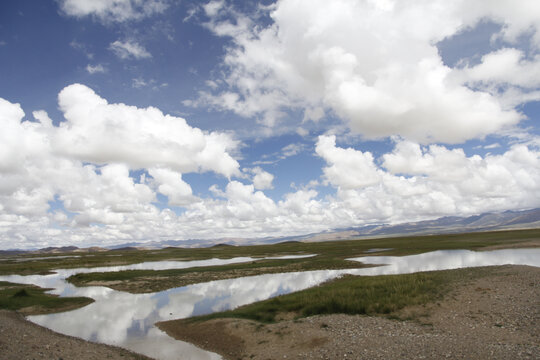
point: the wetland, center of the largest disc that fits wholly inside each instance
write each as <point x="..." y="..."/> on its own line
<point x="124" y="298"/>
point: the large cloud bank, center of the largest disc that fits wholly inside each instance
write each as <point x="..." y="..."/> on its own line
<point x="87" y="162"/>
<point x="376" y="65"/>
<point x="75" y="182"/>
<point x="101" y="175"/>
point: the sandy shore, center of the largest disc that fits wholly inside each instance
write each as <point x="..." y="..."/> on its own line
<point x="494" y="317"/>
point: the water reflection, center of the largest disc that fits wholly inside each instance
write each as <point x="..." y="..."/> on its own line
<point x="127" y="320"/>
<point x="445" y="259"/>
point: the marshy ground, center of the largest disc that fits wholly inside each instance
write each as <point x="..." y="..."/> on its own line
<point x="470" y="313"/>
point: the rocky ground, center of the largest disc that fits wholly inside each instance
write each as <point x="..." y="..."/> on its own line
<point x="23" y="340"/>
<point x="494" y="317"/>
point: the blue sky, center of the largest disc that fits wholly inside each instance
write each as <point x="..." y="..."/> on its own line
<point x="133" y="120"/>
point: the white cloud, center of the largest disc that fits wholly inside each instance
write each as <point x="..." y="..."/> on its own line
<point x="129" y="49"/>
<point x="99" y="132"/>
<point x="95" y="69"/>
<point x="506" y="73"/>
<point x="291" y="150"/>
<point x="262" y="179"/>
<point x="75" y="182"/>
<point x="285" y="152"/>
<point x="85" y="165"/>
<point x="349" y="169"/>
<point x="243" y="211"/>
<point x="138" y="83"/>
<point x="113" y="10"/>
<point x="385" y="80"/>
<point x="492" y="146"/>
<point x="104" y="204"/>
<point x="412" y="183"/>
<point x="170" y="184"/>
<point x="212" y="8"/>
<point x="107" y="195"/>
<point x="430" y="182"/>
<point x="506" y="66"/>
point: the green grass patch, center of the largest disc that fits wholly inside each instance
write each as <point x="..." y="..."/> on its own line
<point x="366" y="295"/>
<point x="140" y="281"/>
<point x="32" y="300"/>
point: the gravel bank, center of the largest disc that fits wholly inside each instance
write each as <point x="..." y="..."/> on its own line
<point x="495" y="317"/>
<point x="20" y="340"/>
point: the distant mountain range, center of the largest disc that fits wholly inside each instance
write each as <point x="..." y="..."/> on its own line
<point x="508" y="220"/>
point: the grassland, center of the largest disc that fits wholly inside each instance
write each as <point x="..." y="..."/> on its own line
<point x="330" y="255"/>
<point x="329" y="251"/>
<point x="389" y="296"/>
<point x="32" y="300"/>
<point x="366" y="295"/>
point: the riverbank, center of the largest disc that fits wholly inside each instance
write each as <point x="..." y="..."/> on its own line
<point x="495" y="316"/>
<point x="22" y="339"/>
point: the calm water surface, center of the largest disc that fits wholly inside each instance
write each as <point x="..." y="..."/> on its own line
<point x="127" y="320"/>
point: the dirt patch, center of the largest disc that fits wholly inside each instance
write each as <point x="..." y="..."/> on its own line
<point x="40" y="310"/>
<point x="21" y="339"/>
<point x="493" y="317"/>
<point x="213" y="333"/>
<point x="534" y="243"/>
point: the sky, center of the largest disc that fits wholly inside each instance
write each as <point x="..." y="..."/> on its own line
<point x="148" y="120"/>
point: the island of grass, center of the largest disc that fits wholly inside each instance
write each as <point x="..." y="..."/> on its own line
<point x="366" y="295"/>
<point x="32" y="300"/>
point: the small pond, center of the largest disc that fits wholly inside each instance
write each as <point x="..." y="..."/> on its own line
<point x="127" y="320"/>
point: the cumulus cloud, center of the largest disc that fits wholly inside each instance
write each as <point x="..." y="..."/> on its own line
<point x="106" y="195"/>
<point x="129" y="49"/>
<point x="385" y="80"/>
<point x="505" y="66"/>
<point x="104" y="203"/>
<point x="507" y="73"/>
<point x="99" y="132"/>
<point x="84" y="165"/>
<point x="410" y="183"/>
<point x="349" y="169"/>
<point x="415" y="181"/>
<point x="170" y="184"/>
<point x="113" y="10"/>
<point x="96" y="176"/>
<point x="262" y="179"/>
<point x="241" y="212"/>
